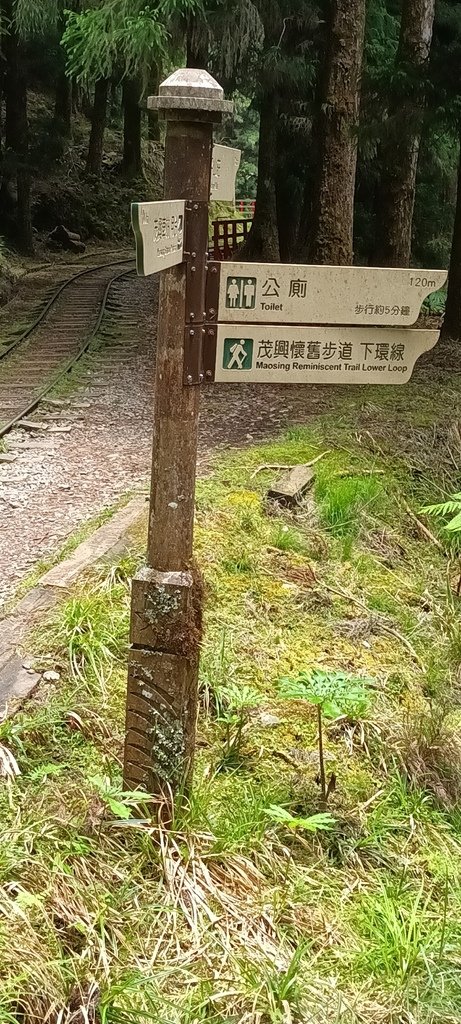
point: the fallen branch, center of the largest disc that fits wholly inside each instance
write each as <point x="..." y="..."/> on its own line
<point x="360" y="472"/>
<point x="278" y="465"/>
<point x="269" y="465"/>
<point x="424" y="529"/>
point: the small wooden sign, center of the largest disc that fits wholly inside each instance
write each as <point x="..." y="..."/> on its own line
<point x="159" y="233"/>
<point x="280" y="293"/>
<point x="318" y="355"/>
<point x="224" y="167"/>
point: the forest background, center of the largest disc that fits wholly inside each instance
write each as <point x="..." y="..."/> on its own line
<point x="348" y="114"/>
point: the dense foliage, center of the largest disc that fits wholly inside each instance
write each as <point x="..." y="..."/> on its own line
<point x="358" y="143"/>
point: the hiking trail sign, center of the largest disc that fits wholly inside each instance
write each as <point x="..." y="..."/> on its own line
<point x="279" y="293"/>
<point x="159" y="234"/>
<point x="318" y="355"/>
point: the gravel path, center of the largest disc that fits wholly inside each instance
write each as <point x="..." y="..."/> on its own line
<point x="61" y="479"/>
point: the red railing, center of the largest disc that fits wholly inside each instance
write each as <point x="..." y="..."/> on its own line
<point x="246" y="207"/>
<point x="227" y="236"/>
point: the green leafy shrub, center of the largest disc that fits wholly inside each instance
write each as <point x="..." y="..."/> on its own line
<point x="333" y="694"/>
<point x="336" y="693"/>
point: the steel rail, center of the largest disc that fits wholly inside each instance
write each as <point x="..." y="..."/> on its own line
<point x="51" y="301"/>
<point x="6" y="427"/>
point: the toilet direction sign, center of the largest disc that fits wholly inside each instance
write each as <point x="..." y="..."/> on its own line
<point x="280" y="293"/>
<point x="159" y="233"/>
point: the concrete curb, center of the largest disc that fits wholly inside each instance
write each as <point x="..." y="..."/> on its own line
<point x="16" y="681"/>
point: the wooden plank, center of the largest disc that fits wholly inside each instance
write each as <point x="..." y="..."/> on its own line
<point x="291" y="487"/>
<point x="32" y="425"/>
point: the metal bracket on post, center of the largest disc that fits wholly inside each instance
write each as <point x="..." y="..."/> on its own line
<point x="195" y="257"/>
<point x="193" y="353"/>
<point x="212" y="290"/>
<point x="200" y="338"/>
<point x="209" y="343"/>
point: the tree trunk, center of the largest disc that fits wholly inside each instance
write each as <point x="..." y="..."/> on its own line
<point x="289" y="208"/>
<point x="197" y="43"/>
<point x="263" y="241"/>
<point x="132" y="159"/>
<point x="333" y="200"/>
<point x="98" y="127"/>
<point x="400" y="150"/>
<point x="25" y="234"/>
<point x="153" y="123"/>
<point x="63" y="106"/>
<point x="451" y="330"/>
<point x="17" y="134"/>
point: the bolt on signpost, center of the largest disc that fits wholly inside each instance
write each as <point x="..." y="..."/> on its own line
<point x="166" y="596"/>
<point x="234" y="322"/>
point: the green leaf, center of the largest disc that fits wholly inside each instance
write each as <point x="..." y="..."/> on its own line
<point x="331" y="709"/>
<point x="315" y="823"/>
<point x="335" y="692"/>
<point x="118" y="809"/>
<point x="454" y="524"/>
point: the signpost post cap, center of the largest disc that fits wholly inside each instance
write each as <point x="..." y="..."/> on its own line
<point x="190" y="91"/>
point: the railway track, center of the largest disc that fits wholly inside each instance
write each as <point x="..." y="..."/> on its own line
<point x="56" y="339"/>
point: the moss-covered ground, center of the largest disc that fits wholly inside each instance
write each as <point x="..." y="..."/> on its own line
<point x="239" y="912"/>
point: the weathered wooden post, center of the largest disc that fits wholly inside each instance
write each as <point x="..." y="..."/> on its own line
<point x="166" y="598"/>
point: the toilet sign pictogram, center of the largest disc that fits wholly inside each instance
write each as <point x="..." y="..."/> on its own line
<point x="240" y="292"/>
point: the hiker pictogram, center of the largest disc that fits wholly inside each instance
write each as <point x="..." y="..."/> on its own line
<point x="238" y="354"/>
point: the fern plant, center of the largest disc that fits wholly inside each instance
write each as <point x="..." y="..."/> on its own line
<point x="452" y="507"/>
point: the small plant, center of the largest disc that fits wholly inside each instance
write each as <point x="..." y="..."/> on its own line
<point x="321" y="822"/>
<point x="341" y="500"/>
<point x="435" y="303"/>
<point x="120" y="804"/>
<point x="91" y="629"/>
<point x="452" y="507"/>
<point x="442" y="510"/>
<point x="233" y="704"/>
<point x="286" y="539"/>
<point x="334" y="694"/>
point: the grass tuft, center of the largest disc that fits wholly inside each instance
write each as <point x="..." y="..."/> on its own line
<point x="341" y="502"/>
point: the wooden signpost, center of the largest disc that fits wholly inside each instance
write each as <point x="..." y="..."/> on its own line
<point x="231" y="322"/>
<point x="166" y="596"/>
